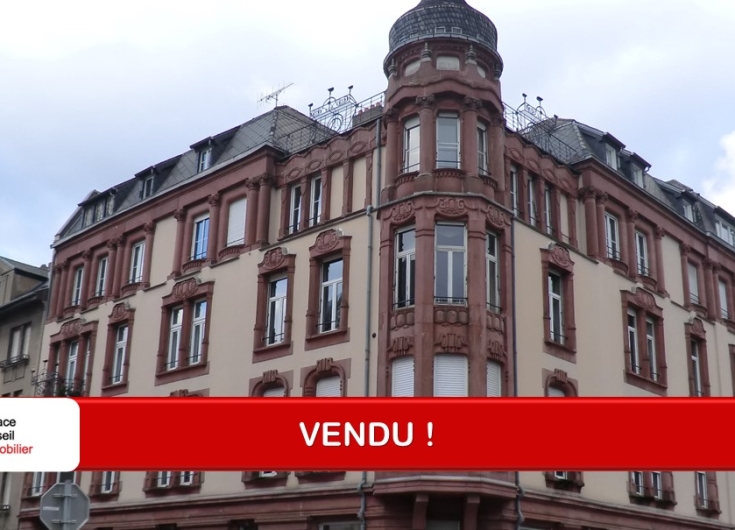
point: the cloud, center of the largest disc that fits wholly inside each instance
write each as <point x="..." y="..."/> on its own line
<point x="721" y="187"/>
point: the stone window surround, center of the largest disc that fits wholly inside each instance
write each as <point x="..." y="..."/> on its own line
<point x="559" y="380"/>
<point x="558" y="260"/>
<point x="97" y="254"/>
<point x="276" y="262"/>
<point x="688" y="256"/>
<point x="49" y="480"/>
<point x="726" y="277"/>
<point x="694" y="331"/>
<point x="86" y="334"/>
<point x="121" y="314"/>
<point x="644" y="305"/>
<point x="271" y="379"/>
<point x="635" y="223"/>
<point x="330" y="244"/>
<point x="122" y="287"/>
<point x="95" y="488"/>
<point x="304" y="182"/>
<point x="186" y="293"/>
<point x="175" y="488"/>
<point x="713" y="499"/>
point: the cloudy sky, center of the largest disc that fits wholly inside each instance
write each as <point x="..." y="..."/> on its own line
<point x="92" y="92"/>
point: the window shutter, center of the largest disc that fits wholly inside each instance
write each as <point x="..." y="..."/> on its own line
<point x="555" y="392"/>
<point x="402" y="377"/>
<point x="450" y="375"/>
<point x="236" y="223"/>
<point x="329" y="387"/>
<point x="494" y="379"/>
<point x="275" y="392"/>
<point x="712" y="493"/>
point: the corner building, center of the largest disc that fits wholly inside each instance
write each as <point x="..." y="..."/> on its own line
<point x="262" y="261"/>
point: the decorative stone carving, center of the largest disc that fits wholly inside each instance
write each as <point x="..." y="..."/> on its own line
<point x="588" y="192"/>
<point x="266" y="180"/>
<point x="659" y="232"/>
<point x="86" y="255"/>
<point x="451" y="342"/>
<point x="402" y="319"/>
<point x="685" y="249"/>
<point x="390" y="114"/>
<point x="451" y="316"/>
<point x="496" y="350"/>
<point x="469" y="103"/>
<point x="632" y="215"/>
<point x="560" y="376"/>
<point x="180" y="214"/>
<point x="452" y="207"/>
<point x="645" y="300"/>
<point x="698" y="327"/>
<point x="185" y="289"/>
<point x="120" y="312"/>
<point x="402" y="212"/>
<point x="252" y="184"/>
<point x="327" y="241"/>
<point x="561" y="257"/>
<point x="425" y="101"/>
<point x="274" y="258"/>
<point x="214" y="199"/>
<point x="149" y="228"/>
<point x="602" y="197"/>
<point x="496" y="217"/>
<point x="270" y="376"/>
<point x="72" y="328"/>
<point x="324" y="365"/>
<point x="401" y="345"/>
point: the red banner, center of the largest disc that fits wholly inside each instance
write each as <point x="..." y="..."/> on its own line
<point x="376" y="434"/>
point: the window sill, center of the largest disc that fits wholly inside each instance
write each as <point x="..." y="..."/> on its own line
<point x="71" y="310"/>
<point x="95" y="301"/>
<point x="115" y="389"/>
<point x="172" y="491"/>
<point x="14" y="361"/>
<point x="645" y="383"/>
<point x="699" y="309"/>
<point x="572" y="485"/>
<point x="193" y="265"/>
<point x="713" y="512"/>
<point x="129" y="289"/>
<point x="232" y="252"/>
<point x="182" y="373"/>
<point x="560" y="350"/>
<point x="402" y="317"/>
<point x="322" y="340"/>
<point x="98" y="496"/>
<point x="311" y="477"/>
<point x="267" y="353"/>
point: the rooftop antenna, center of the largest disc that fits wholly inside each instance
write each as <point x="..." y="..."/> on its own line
<point x="273" y="96"/>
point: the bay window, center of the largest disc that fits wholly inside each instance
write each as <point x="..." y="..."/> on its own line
<point x="450" y="285"/>
<point x="411" y="144"/>
<point x="447" y="141"/>
<point x="405" y="268"/>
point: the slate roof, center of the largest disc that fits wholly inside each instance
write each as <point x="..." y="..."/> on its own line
<point x="283" y="128"/>
<point x="24" y="268"/>
<point x="571" y="142"/>
<point x="424" y="21"/>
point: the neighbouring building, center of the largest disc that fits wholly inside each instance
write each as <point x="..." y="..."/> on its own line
<point x="431" y="226"/>
<point x="23" y="294"/>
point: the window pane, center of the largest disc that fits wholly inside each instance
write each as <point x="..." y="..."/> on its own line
<point x="448" y="129"/>
<point x="442" y="274"/>
<point x="450" y="235"/>
<point x="458" y="290"/>
<point x="332" y="270"/>
<point x="406" y="241"/>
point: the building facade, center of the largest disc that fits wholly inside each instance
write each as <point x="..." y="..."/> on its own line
<point x="23" y="295"/>
<point x="443" y="244"/>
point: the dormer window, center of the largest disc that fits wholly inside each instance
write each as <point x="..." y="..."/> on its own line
<point x="148" y="187"/>
<point x="688" y="211"/>
<point x="205" y="159"/>
<point x="725" y="232"/>
<point x="611" y="157"/>
<point x="637" y="175"/>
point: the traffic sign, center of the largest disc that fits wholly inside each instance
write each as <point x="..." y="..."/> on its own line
<point x="64" y="507"/>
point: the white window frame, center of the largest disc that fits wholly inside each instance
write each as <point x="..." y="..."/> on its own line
<point x="561" y="475"/>
<point x="335" y="288"/>
<point x="119" y="355"/>
<point x="451" y="298"/>
<point x="76" y="292"/>
<point x="696" y="356"/>
<point x="315" y="202"/>
<point x="71" y="362"/>
<point x="641" y="249"/>
<point x="652" y="347"/>
<point x="657" y="485"/>
<point x="724" y="306"/>
<point x="688" y="210"/>
<point x="101" y="283"/>
<point x="638" y="482"/>
<point x="482" y="148"/>
<point x="693" y="273"/>
<point x="200" y="237"/>
<point x="701" y="487"/>
<point x="163" y="479"/>
<point x="267" y="474"/>
<point x="186" y="478"/>
<point x="408" y="257"/>
<point x="38" y="481"/>
<point x="556" y="316"/>
<point x="276" y="302"/>
<point x="175" y="326"/>
<point x="204" y="159"/>
<point x="454" y="146"/>
<point x="137" y="257"/>
<point x="107" y="481"/>
<point x="87" y="357"/>
<point x="294" y="208"/>
<point x="20" y="338"/>
<point x="612" y="236"/>
<point x="532" y="201"/>
<point x="548" y="213"/>
<point x="637" y="176"/>
<point x="635" y="360"/>
<point x="411" y="144"/>
<point x="148" y="187"/>
<point x="492" y="263"/>
<point x="514" y="189"/>
<point x="236" y="230"/>
<point x="198" y="327"/>
<point x="611" y="157"/>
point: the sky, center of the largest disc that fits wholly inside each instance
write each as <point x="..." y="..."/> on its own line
<point x="92" y="92"/>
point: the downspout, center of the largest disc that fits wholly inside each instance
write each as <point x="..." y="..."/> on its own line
<point x="520" y="492"/>
<point x="368" y="301"/>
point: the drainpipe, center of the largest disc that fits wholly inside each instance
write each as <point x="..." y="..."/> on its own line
<point x="368" y="303"/>
<point x="520" y="492"/>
